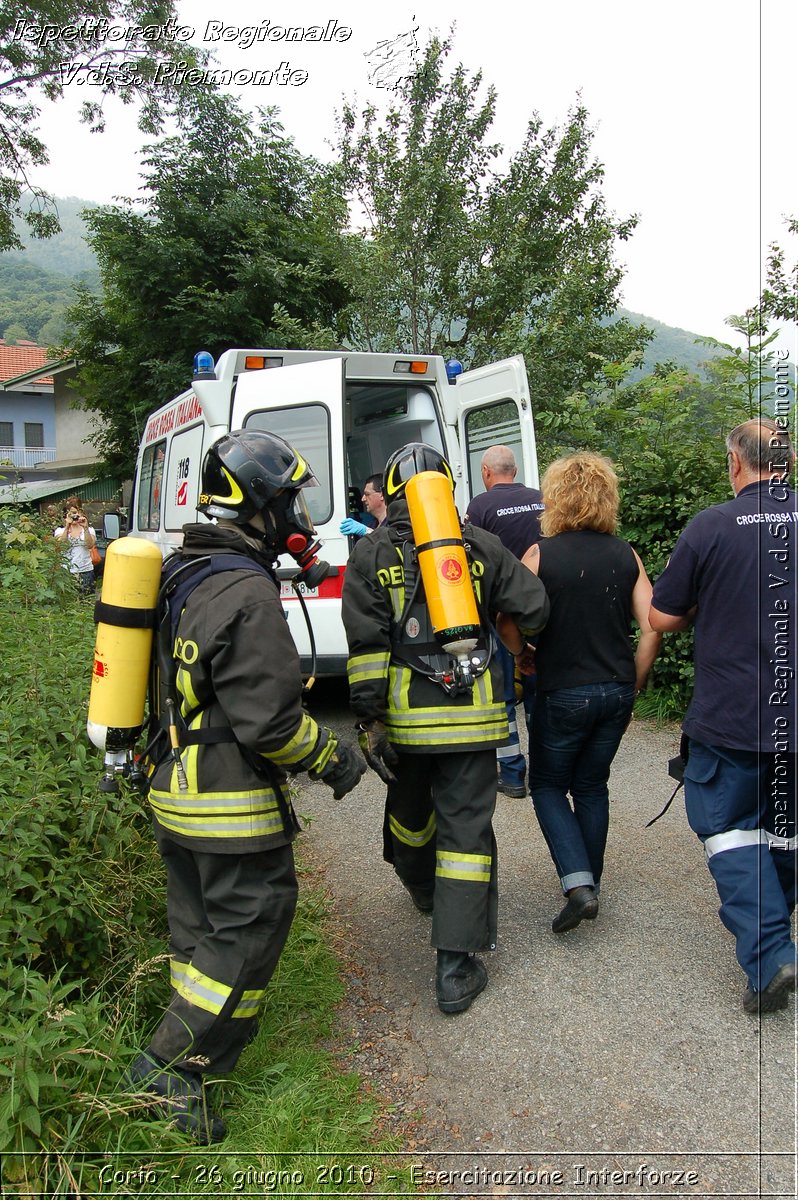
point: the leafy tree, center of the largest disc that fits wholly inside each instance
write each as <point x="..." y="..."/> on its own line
<point x="780" y="296"/>
<point x="461" y="257"/>
<point x="744" y="371"/>
<point x="235" y="247"/>
<point x="47" y="47"/>
<point x="15" y="333"/>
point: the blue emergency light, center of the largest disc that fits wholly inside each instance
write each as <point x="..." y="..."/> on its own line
<point x="453" y="368"/>
<point x="204" y="366"/>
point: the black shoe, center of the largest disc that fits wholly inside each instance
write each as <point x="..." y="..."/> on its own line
<point x="459" y="978"/>
<point x="582" y="906"/>
<point x="422" y="895"/>
<point x="180" y="1095"/>
<point x="775" y="995"/>
<point x="516" y="790"/>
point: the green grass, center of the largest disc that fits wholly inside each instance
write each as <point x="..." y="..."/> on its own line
<point x="297" y="1123"/>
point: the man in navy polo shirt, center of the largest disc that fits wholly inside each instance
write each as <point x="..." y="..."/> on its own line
<point x="735" y="571"/>
<point x="511" y="511"/>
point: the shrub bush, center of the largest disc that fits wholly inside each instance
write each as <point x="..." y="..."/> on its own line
<point x="81" y="897"/>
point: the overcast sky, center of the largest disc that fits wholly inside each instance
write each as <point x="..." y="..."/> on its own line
<point x="694" y="103"/>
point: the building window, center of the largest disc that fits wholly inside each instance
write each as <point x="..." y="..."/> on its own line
<point x="6" y="433"/>
<point x="34" y="435"/>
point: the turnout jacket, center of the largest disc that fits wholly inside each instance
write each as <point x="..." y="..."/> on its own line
<point x="419" y="716"/>
<point x="238" y="677"/>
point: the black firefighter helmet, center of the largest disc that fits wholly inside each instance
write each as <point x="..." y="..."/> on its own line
<point x="411" y="460"/>
<point x="246" y="470"/>
<point x="251" y="471"/>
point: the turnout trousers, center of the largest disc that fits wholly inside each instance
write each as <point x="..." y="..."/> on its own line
<point x="438" y="831"/>
<point x="229" y="917"/>
<point x="741" y="804"/>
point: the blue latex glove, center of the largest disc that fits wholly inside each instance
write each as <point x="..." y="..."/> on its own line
<point x="353" y="527"/>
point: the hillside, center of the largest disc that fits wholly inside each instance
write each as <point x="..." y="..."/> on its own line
<point x="669" y="344"/>
<point x="36" y="286"/>
<point x="68" y="252"/>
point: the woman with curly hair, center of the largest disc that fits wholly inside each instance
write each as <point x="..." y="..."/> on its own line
<point x="588" y="672"/>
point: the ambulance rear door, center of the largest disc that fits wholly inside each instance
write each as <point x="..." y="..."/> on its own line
<point x="491" y="406"/>
<point x="303" y="403"/>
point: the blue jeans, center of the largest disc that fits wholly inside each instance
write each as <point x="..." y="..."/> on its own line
<point x="512" y="764"/>
<point x="576" y="733"/>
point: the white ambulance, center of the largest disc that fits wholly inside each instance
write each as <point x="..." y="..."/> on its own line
<point x="345" y="413"/>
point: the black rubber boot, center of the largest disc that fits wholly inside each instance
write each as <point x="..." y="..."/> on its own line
<point x="459" y="978"/>
<point x="582" y="906"/>
<point x="179" y="1095"/>
<point x="422" y="895"/>
<point x="776" y="995"/>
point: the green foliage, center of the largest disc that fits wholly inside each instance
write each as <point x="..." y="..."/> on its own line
<point x="37" y="284"/>
<point x="460" y="257"/>
<point x="66" y="896"/>
<point x="33" y="68"/>
<point x="234" y="248"/>
<point x="668" y="344"/>
<point x="35" y="298"/>
<point x="31" y="564"/>
<point x="745" y="371"/>
<point x="780" y="295"/>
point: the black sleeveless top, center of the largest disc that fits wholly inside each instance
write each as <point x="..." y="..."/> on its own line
<point x="589" y="578"/>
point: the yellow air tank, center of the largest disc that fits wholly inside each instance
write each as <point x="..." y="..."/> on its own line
<point x="442" y="561"/>
<point x="126" y="613"/>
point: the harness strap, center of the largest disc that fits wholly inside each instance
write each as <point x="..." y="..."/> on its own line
<point x="127" y="618"/>
<point x="181" y="577"/>
<point x="676" y="771"/>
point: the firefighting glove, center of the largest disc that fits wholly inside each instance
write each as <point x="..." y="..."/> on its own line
<point x="377" y="750"/>
<point x="350" y="525"/>
<point x="343" y="769"/>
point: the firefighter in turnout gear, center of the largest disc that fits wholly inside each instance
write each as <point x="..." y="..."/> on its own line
<point x="429" y="729"/>
<point x="222" y="814"/>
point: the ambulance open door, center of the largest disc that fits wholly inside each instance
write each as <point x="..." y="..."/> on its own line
<point x="302" y="403"/>
<point x="493" y="407"/>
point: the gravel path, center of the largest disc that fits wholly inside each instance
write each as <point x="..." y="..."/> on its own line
<point x="611" y="1060"/>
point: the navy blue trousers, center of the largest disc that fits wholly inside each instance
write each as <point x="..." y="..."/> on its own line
<point x="742" y="804"/>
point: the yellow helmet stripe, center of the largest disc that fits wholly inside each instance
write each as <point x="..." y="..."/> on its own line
<point x="301" y="468"/>
<point x="235" y="495"/>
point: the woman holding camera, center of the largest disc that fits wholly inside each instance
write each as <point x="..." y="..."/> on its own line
<point x="79" y="538"/>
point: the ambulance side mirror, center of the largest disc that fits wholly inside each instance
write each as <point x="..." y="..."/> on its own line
<point x="112" y="526"/>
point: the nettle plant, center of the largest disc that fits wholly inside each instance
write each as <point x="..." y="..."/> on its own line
<point x="31" y="561"/>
